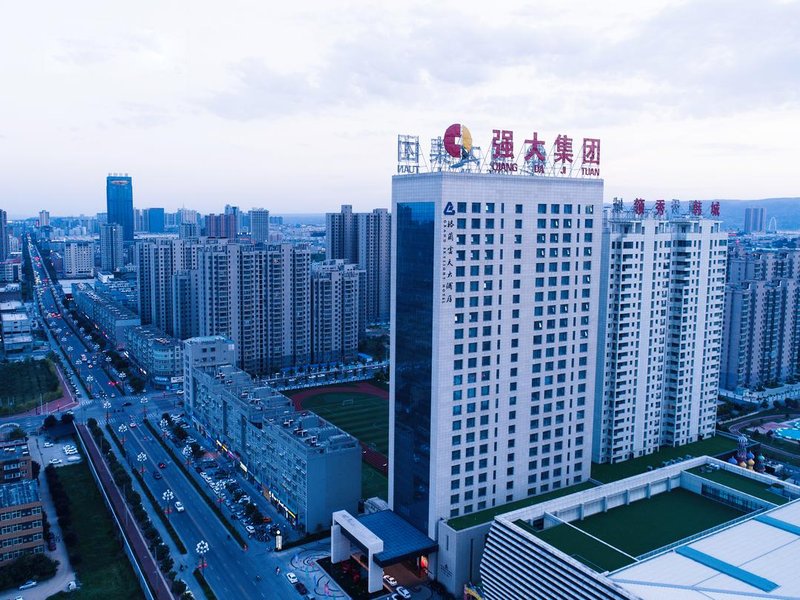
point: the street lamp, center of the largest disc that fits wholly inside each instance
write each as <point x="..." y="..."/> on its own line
<point x="141" y="457"/>
<point x="168" y="496"/>
<point x="201" y="549"/>
<point x="143" y="402"/>
<point x="106" y="405"/>
<point x="123" y="429"/>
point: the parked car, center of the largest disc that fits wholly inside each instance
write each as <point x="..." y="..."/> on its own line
<point x="28" y="585"/>
<point x="290" y="576"/>
<point x="301" y="589"/>
<point x="390" y="580"/>
<point x="403" y="592"/>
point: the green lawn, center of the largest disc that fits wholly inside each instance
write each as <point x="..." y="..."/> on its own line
<point x="24" y="382"/>
<point x="484" y="516"/>
<point x="104" y="571"/>
<point x="741" y="483"/>
<point x="713" y="446"/>
<point x="639" y="527"/>
<point x="373" y="483"/>
<point x="363" y="416"/>
<point x="581" y="547"/>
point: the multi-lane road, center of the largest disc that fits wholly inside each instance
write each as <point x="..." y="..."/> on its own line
<point x="232" y="572"/>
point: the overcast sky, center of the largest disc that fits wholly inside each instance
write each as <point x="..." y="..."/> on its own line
<point x="295" y="106"/>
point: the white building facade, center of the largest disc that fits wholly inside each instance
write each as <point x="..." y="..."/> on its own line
<point x="494" y="321"/>
<point x="663" y="286"/>
<point x="78" y="259"/>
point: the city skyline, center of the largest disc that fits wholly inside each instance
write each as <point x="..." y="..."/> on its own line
<point x="677" y="102"/>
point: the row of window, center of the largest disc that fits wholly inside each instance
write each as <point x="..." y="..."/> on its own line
<point x="541" y="208"/>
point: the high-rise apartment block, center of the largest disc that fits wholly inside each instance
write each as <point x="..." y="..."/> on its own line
<point x="762" y="318"/>
<point x="335" y="289"/>
<point x="662" y="281"/>
<point x="221" y="226"/>
<point x="78" y="258"/>
<point x="44" y="218"/>
<point x="259" y="298"/>
<point x="494" y="318"/>
<point x="259" y="225"/>
<point x="3" y="234"/>
<point x="112" y="255"/>
<point x="119" y="203"/>
<point x="755" y="220"/>
<point x="365" y="239"/>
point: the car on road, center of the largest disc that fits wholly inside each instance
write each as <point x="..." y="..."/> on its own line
<point x="48" y="444"/>
<point x="28" y="585"/>
<point x="390" y="580"/>
<point x="156" y="475"/>
<point x="250" y="529"/>
<point x="162" y="465"/>
<point x="127" y="404"/>
<point x="179" y="506"/>
<point x="55" y="461"/>
<point x="132" y="425"/>
<point x="403" y="592"/>
<point x="301" y="589"/>
<point x="290" y="576"/>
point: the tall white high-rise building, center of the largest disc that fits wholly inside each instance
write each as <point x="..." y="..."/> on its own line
<point x="157" y="262"/>
<point x="494" y="319"/>
<point x="334" y="311"/>
<point x="259" y="225"/>
<point x="112" y="250"/>
<point x="78" y="258"/>
<point x="663" y="287"/>
<point x="364" y="239"/>
<point x="259" y="298"/>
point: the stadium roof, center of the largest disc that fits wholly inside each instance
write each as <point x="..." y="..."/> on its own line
<point x="755" y="558"/>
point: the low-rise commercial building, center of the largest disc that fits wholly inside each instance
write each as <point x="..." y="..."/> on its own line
<point x="159" y="355"/>
<point x="110" y="318"/>
<point x="304" y="465"/>
<point x="15" y="462"/>
<point x="21" y="529"/>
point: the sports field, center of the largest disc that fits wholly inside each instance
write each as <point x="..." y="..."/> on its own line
<point x="360" y="409"/>
<point x="637" y="528"/>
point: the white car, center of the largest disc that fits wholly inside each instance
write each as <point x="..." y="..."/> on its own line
<point x="291" y="577"/>
<point x="48" y="444"/>
<point x="55" y="461"/>
<point x="390" y="580"/>
<point x="403" y="592"/>
<point x="251" y="530"/>
<point x="179" y="506"/>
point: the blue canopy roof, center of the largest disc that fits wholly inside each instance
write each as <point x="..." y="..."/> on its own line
<point x="401" y="540"/>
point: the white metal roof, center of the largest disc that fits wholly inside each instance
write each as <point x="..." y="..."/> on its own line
<point x="761" y="552"/>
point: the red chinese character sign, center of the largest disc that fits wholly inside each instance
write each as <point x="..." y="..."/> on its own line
<point x="715" y="209"/>
<point x="697" y="208"/>
<point x="660" y="207"/>
<point x="590" y="165"/>
<point x="638" y="206"/>
<point x="503" y="152"/>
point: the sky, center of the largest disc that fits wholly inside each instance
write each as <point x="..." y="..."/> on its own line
<point x="296" y="106"/>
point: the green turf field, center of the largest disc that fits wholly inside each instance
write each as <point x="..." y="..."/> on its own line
<point x="741" y="483"/>
<point x="373" y="483"/>
<point x="606" y="473"/>
<point x="363" y="416"/>
<point x="639" y="527"/>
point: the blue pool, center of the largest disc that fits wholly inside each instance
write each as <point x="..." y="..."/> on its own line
<point x="791" y="432"/>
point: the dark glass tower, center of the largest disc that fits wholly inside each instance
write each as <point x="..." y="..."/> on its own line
<point x="119" y="202"/>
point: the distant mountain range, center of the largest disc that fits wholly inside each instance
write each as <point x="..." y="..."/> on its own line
<point x="785" y="210"/>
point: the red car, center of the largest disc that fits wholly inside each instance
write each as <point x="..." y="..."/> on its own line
<point x="162" y="465"/>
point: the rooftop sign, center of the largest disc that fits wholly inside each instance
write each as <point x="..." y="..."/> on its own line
<point x="456" y="151"/>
